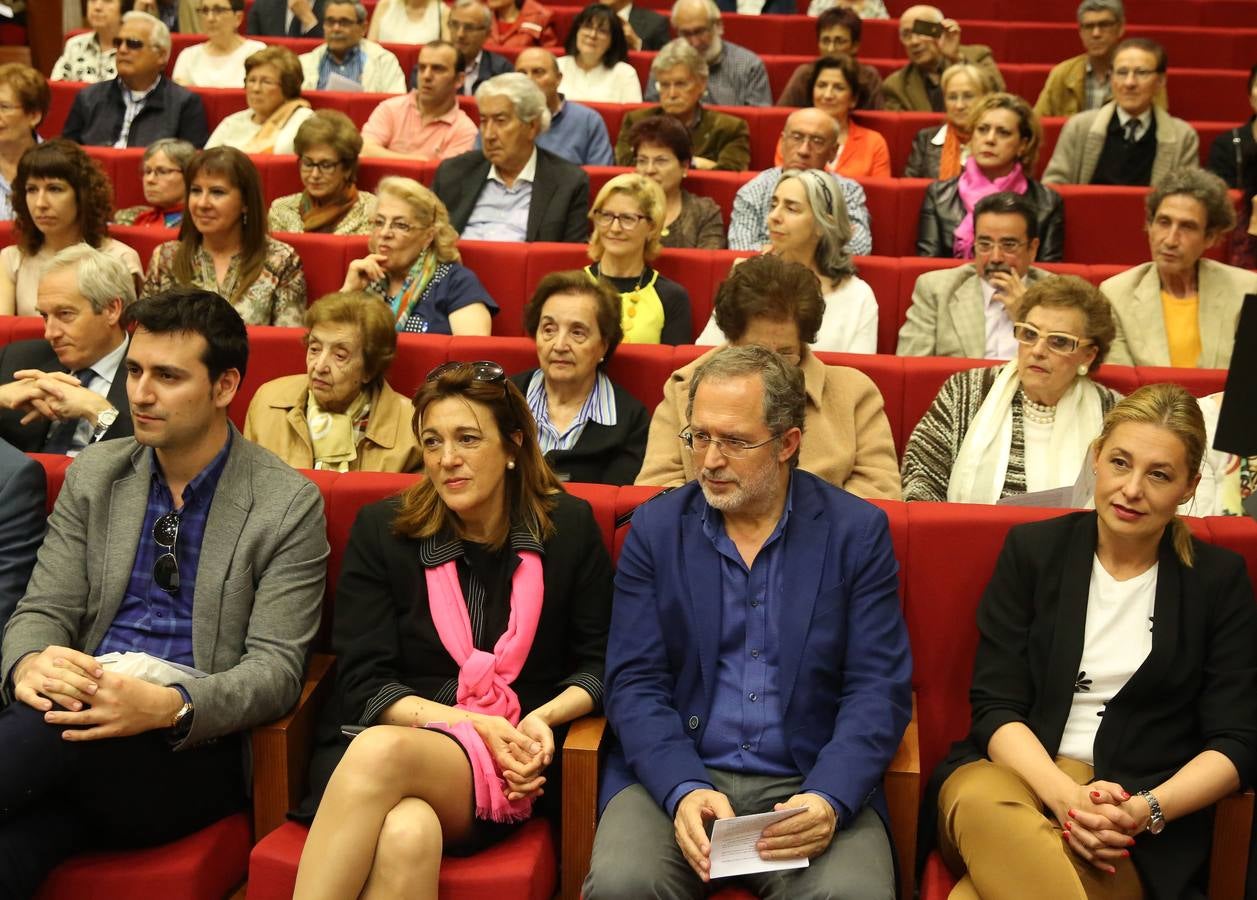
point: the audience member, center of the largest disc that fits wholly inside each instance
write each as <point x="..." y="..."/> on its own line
<point x="595" y="64"/>
<point x="506" y="207"/>
<point x="69" y="390"/>
<point x="809" y="690"/>
<point x="470" y="23"/>
<point x="838" y="32"/>
<point x="1227" y="480"/>
<point x="808" y="141"/>
<point x="525" y="24"/>
<point x="188" y="544"/>
<point x="139" y="106"/>
<point x="736" y="76"/>
<point x="90" y="56"/>
<point x="327" y="146"/>
<point x="413" y="265"/>
<point x="458" y="777"/>
<point x="286" y="18"/>
<point x="1002" y="154"/>
<point x="717" y="140"/>
<point x="1233" y="157"/>
<point x="644" y="29"/>
<point x="60" y="198"/>
<point x="341" y="415"/>
<point x="932" y="44"/>
<point x="576" y="132"/>
<point x="862" y="152"/>
<point x="1113" y="616"/>
<point x="590" y="429"/>
<point x="24" y="498"/>
<point x="427" y="123"/>
<point x="661" y="151"/>
<point x="941" y="151"/>
<point x="1025" y="426"/>
<point x="220" y="61"/>
<point x="223" y="246"/>
<point x="1180" y="309"/>
<point x="24" y="101"/>
<point x="970" y="310"/>
<point x="348" y="58"/>
<point x="177" y="15"/>
<point x="778" y="305"/>
<point x="865" y="9"/>
<point x="161" y="174"/>
<point x="1129" y="140"/>
<point x="807" y="224"/>
<point x="409" y="21"/>
<point x="272" y="90"/>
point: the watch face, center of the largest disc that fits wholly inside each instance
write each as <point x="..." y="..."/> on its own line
<point x="1156" y="825"/>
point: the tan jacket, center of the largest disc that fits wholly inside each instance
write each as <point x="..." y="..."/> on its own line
<point x="846" y="436"/>
<point x="277" y="420"/>
<point x="1141" y="337"/>
<point x="1065" y="91"/>
<point x="904" y="89"/>
<point x="1082" y="140"/>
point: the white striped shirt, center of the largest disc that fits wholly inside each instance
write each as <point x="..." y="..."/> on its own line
<point x="598" y="407"/>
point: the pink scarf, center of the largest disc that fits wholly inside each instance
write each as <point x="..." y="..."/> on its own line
<point x="973" y="186"/>
<point x="484" y="679"/>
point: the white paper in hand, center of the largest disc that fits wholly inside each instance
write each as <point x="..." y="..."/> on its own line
<point x="733" y="844"/>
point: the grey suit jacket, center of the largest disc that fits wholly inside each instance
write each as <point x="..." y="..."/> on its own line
<point x="1078" y="148"/>
<point x="22" y="501"/>
<point x="948" y="315"/>
<point x="259" y="582"/>
<point x="1141" y="336"/>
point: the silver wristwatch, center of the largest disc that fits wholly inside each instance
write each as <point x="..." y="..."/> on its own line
<point x="104" y="421"/>
<point x="1156" y="824"/>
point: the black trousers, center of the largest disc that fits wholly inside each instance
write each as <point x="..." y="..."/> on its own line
<point x="59" y="798"/>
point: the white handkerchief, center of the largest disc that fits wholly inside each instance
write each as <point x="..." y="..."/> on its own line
<point x="733" y="844"/>
<point x="147" y="668"/>
<point x="338" y="82"/>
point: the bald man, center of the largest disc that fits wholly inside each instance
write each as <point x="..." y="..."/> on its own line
<point x="577" y="133"/>
<point x="916" y="86"/>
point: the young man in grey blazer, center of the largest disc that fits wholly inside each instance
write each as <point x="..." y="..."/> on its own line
<point x="190" y="544"/>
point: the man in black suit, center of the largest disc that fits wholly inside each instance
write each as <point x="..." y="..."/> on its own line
<point x="291" y="18"/>
<point x="644" y="28"/>
<point x="69" y="390"/>
<point x="512" y="190"/>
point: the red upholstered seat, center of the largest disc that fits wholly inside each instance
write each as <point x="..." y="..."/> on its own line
<point x="937" y="880"/>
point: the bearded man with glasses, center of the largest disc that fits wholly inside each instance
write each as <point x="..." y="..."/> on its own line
<point x="189" y="544"/>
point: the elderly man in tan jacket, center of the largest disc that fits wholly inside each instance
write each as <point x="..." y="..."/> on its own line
<point x="916" y="87"/>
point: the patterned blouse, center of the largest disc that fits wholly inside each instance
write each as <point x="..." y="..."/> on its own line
<point x="276" y="297"/>
<point x="285" y="215"/>
<point x="85" y="60"/>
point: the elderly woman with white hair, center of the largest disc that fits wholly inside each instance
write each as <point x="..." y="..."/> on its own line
<point x="808" y="224"/>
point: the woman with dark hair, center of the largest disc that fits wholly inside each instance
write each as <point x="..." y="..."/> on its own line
<point x="24" y="101"/>
<point x="220" y="61"/>
<point x="595" y="68"/>
<point x="463" y="712"/>
<point x="60" y="198"/>
<point x="327" y="146"/>
<point x="161" y="173"/>
<point x="276" y="109"/>
<point x="1233" y="158"/>
<point x="662" y="152"/>
<point x="834" y="88"/>
<point x="223" y="245"/>
<point x="526" y="24"/>
<point x="590" y="429"/>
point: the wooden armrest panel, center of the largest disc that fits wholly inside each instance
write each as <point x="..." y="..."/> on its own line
<point x="582" y="751"/>
<point x="1228" y="861"/>
<point x="902" y="786"/>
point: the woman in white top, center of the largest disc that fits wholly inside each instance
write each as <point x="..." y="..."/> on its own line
<point x="808" y="224"/>
<point x="272" y="88"/>
<point x="60" y="198"/>
<point x="595" y="68"/>
<point x="91" y="56"/>
<point x="219" y="62"/>
<point x="409" y="21"/>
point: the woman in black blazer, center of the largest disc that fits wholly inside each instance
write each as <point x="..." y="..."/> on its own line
<point x="1002" y="152"/>
<point x="1116" y="636"/>
<point x="589" y="428"/>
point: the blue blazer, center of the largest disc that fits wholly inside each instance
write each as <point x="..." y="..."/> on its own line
<point x="846" y="668"/>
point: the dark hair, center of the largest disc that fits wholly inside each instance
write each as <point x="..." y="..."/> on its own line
<point x="188" y="310"/>
<point x="240" y="172"/>
<point x="840" y="15"/>
<point x="1148" y="46"/>
<point x="664" y="131"/>
<point x="1252" y="77"/>
<point x="335" y="129"/>
<point x="768" y="287"/>
<point x="850" y="71"/>
<point x="1009" y="203"/>
<point x="606" y="304"/>
<point x="460" y="61"/>
<point x="93" y="193"/>
<point x="618" y="51"/>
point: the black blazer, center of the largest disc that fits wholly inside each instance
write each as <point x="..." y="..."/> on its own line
<point x="490" y="64"/>
<point x="651" y="27"/>
<point x="560" y="195"/>
<point x="1196" y="691"/>
<point x="602" y="454"/>
<point x="925" y="156"/>
<point x="267" y="17"/>
<point x="38" y="354"/>
<point x="170" y="111"/>
<point x="942" y="210"/>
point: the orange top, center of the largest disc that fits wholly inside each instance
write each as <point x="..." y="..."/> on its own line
<point x="863" y="155"/>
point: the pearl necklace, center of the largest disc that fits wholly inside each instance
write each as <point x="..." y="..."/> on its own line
<point x="1039" y="413"/>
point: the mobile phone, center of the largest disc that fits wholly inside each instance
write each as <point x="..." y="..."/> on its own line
<point x="927" y="28"/>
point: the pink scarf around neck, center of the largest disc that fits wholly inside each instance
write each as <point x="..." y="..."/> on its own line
<point x="484" y="679"/>
<point x="973" y="186"/>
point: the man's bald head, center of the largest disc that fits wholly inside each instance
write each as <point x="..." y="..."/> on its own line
<point x="923" y="50"/>
<point x="541" y="66"/>
<point x="809" y="139"/>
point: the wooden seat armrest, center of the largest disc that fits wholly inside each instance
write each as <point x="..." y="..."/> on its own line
<point x="902" y="786"/>
<point x="582" y="752"/>
<point x="1228" y="860"/>
<point x="281" y="750"/>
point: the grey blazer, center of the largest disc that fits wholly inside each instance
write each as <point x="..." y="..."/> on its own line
<point x="1078" y="148"/>
<point x="259" y="583"/>
<point x="947" y="316"/>
<point x="1141" y="339"/>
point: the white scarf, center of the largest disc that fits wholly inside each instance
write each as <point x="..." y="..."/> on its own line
<point x="982" y="464"/>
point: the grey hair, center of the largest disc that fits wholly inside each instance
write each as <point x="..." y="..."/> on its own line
<point x="102" y="278"/>
<point x="160" y="36"/>
<point x="833" y="225"/>
<point x="1094" y="6"/>
<point x="1202" y="186"/>
<point x="179" y="151"/>
<point x="678" y="52"/>
<point x="713" y="12"/>
<point x="359" y="10"/>
<point x="468" y="4"/>
<point x="527" y="99"/>
<point x="785" y="400"/>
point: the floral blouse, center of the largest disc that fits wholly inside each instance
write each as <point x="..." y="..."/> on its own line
<point x="276" y="297"/>
<point x="85" y="60"/>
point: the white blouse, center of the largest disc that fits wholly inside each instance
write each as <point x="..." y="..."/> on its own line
<point x="195" y="67"/>
<point x="619" y="84"/>
<point x="398" y="28"/>
<point x="239" y="128"/>
<point x="24" y="271"/>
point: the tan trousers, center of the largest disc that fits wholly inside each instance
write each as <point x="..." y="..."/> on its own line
<point x="994" y="829"/>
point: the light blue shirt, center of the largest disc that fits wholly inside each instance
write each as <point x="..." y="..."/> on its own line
<point x="501" y="212"/>
<point x="598" y="407"/>
<point x="351" y="68"/>
<point x="579" y="135"/>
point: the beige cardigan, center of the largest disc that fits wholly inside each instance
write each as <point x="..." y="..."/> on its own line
<point x="846" y="436"/>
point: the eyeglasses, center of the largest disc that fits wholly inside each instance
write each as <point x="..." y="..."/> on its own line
<point x="1057" y="341"/>
<point x="129" y="43"/>
<point x="160" y="171"/>
<point x="327" y="166"/>
<point x="261" y="82"/>
<point x="337" y="22"/>
<point x="166" y="568"/>
<point x="481" y="370"/>
<point x="628" y="221"/>
<point x="401" y="226"/>
<point x="7" y="108"/>
<point x="729" y="448"/>
<point x="1008" y="245"/>
<point x="1105" y="25"/>
<point x="206" y="11"/>
<point x="464" y="26"/>
<point x="595" y="28"/>
<point x="1138" y="74"/>
<point x="814" y="140"/>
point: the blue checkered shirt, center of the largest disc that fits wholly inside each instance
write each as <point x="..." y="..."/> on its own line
<point x="748" y="227"/>
<point x="351" y="68"/>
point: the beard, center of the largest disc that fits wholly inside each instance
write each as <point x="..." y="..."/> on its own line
<point x="750" y="490"/>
